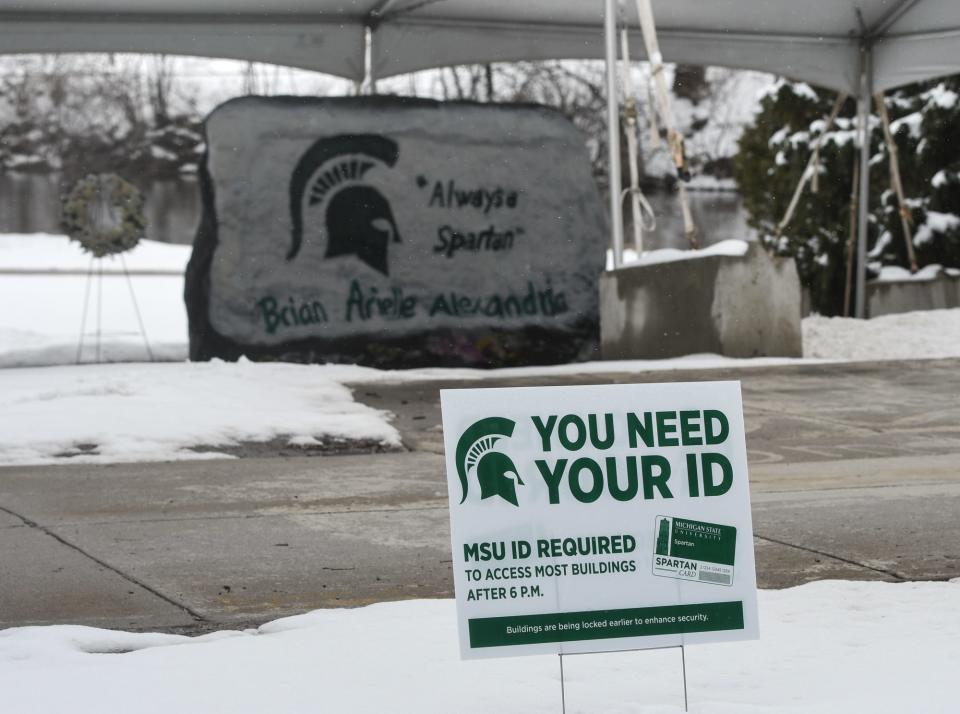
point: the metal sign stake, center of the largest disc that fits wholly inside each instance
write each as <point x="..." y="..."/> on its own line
<point x="683" y="662"/>
<point x="563" y="694"/>
<point x="683" y="659"/>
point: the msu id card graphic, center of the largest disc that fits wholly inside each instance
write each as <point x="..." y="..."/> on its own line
<point x="694" y="550"/>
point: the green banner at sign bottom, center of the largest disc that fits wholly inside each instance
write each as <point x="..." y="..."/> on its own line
<point x="605" y="624"/>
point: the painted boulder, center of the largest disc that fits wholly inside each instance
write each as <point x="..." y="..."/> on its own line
<point x="395" y="232"/>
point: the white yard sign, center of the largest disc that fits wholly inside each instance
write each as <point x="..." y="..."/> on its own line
<point x="599" y="518"/>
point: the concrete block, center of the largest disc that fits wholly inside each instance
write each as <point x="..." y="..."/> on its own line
<point x="888" y="297"/>
<point x="739" y="306"/>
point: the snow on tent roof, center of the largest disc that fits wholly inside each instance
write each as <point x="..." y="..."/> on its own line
<point x="817" y="41"/>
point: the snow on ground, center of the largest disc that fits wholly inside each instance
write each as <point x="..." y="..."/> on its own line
<point x="149" y="412"/>
<point x="158" y="411"/>
<point x="825" y="647"/>
<point x="354" y="374"/>
<point x="43" y="313"/>
<point x="909" y="335"/>
<point x="142" y="411"/>
<point x="44" y="251"/>
<point x="111" y="413"/>
<point x="40" y="324"/>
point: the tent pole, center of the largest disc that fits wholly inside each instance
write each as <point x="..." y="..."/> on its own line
<point x="613" y="129"/>
<point x="630" y="129"/>
<point x="369" y="78"/>
<point x="866" y="93"/>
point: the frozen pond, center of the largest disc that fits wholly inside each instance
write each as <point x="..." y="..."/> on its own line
<point x="30" y="203"/>
<point x="718" y="215"/>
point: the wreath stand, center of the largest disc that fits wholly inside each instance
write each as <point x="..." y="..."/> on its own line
<point x="96" y="269"/>
<point x="104" y="214"/>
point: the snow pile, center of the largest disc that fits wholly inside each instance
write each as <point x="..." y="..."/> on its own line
<point x="909" y="335"/>
<point x="149" y="412"/>
<point x="825" y="647"/>
<point x="57" y="253"/>
<point x="731" y="247"/>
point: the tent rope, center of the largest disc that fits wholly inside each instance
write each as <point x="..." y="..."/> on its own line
<point x="674" y="137"/>
<point x="638" y="202"/>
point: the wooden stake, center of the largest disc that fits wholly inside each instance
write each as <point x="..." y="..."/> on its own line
<point x="851" y="241"/>
<point x="905" y="216"/>
<point x="812" y="165"/>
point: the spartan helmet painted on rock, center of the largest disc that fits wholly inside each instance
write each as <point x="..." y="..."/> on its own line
<point x="358" y="218"/>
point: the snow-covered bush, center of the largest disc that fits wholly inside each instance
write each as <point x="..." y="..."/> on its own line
<point x="774" y="152"/>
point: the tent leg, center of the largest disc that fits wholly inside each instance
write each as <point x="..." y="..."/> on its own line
<point x="866" y="92"/>
<point x="369" y="78"/>
<point x="613" y="129"/>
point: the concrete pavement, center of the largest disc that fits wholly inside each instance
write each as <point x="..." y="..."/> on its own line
<point x="854" y="474"/>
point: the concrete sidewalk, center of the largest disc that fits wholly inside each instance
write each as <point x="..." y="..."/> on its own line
<point x="854" y="473"/>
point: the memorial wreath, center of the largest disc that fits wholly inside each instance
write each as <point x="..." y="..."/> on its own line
<point x="104" y="214"/>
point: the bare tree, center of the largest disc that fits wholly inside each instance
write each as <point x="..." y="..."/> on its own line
<point x="160" y="81"/>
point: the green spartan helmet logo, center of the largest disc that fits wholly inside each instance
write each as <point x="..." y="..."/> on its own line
<point x="495" y="471"/>
<point x="359" y="220"/>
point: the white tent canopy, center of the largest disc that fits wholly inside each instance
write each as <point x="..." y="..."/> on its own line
<point x="817" y="41"/>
